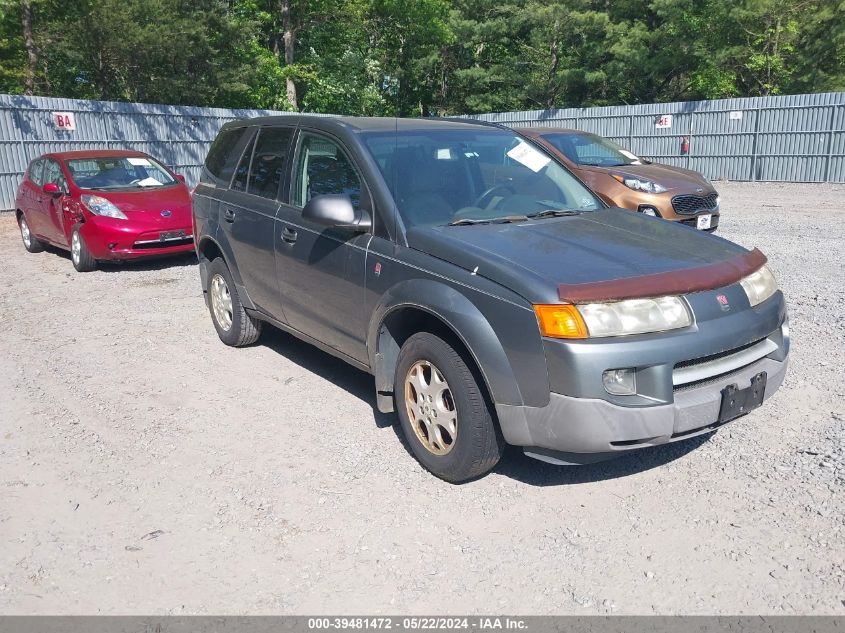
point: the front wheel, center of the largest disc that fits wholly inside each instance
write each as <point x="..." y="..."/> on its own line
<point x="442" y="410"/>
<point x="234" y="326"/>
<point x="81" y="257"/>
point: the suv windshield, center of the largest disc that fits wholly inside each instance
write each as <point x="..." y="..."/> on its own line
<point x="456" y="176"/>
<point x="591" y="150"/>
<point x="119" y="173"/>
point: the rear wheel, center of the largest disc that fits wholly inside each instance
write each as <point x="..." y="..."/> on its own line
<point x="444" y="415"/>
<point x="30" y="242"/>
<point x="234" y="326"/>
<point x="81" y="257"/>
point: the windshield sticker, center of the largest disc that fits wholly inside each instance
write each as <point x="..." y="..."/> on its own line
<point x="528" y="156"/>
<point x="444" y="153"/>
<point x="148" y="182"/>
<point x="139" y="162"/>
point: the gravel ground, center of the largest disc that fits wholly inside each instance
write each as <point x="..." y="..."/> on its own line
<point x="146" y="468"/>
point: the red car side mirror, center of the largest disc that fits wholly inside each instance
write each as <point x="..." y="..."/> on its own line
<point x="51" y="189"/>
<point x="180" y="178"/>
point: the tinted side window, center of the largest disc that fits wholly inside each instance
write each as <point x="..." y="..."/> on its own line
<point x="224" y="153"/>
<point x="242" y="172"/>
<point x="269" y="161"/>
<point x="35" y="171"/>
<point x="322" y="168"/>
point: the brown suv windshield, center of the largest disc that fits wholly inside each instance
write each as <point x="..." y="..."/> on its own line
<point x="591" y="150"/>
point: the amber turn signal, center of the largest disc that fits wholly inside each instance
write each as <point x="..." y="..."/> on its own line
<point x="561" y="321"/>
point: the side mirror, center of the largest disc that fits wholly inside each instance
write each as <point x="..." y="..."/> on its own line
<point x="51" y="189"/>
<point x="180" y="178"/>
<point x="337" y="210"/>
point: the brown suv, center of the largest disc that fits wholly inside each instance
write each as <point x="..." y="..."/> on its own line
<point x="624" y="180"/>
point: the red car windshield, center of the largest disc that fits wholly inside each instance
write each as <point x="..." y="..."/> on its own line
<point x="133" y="172"/>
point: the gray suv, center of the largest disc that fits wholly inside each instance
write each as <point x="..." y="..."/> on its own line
<point x="494" y="298"/>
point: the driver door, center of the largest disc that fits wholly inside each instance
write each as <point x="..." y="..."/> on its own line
<point x="51" y="206"/>
<point x="321" y="270"/>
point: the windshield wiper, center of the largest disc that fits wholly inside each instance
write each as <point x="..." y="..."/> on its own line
<point x="554" y="213"/>
<point x="502" y="220"/>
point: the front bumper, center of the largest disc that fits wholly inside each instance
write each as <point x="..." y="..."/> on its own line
<point x="582" y="430"/>
<point x="111" y="239"/>
<point x="680" y="380"/>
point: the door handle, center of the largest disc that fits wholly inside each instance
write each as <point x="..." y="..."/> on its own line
<point x="228" y="215"/>
<point x="289" y="235"/>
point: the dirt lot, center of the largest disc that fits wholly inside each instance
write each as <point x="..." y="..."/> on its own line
<point x="147" y="468"/>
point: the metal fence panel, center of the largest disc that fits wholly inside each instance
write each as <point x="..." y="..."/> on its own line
<point x="789" y="138"/>
<point x="177" y="135"/>
<point x="798" y="138"/>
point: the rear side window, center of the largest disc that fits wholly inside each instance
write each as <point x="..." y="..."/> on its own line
<point x="269" y="161"/>
<point x="242" y="172"/>
<point x="35" y="171"/>
<point x="224" y="154"/>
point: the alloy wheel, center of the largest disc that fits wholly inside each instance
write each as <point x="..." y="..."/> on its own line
<point x="75" y="247"/>
<point x="431" y="407"/>
<point x="25" y="234"/>
<point x="221" y="302"/>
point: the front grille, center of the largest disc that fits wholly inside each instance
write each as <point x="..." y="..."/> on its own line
<point x="689" y="205"/>
<point x="172" y="243"/>
<point x="703" y="371"/>
<point x="704" y="359"/>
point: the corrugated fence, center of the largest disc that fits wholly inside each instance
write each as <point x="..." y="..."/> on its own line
<point x="792" y="138"/>
<point x="179" y="136"/>
<point x="796" y="138"/>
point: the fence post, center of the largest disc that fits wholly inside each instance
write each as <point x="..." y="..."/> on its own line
<point x="631" y="132"/>
<point x="753" y="174"/>
<point x="829" y="159"/>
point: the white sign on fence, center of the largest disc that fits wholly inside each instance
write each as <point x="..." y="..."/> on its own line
<point x="735" y="115"/>
<point x="64" y="121"/>
<point x="663" y="121"/>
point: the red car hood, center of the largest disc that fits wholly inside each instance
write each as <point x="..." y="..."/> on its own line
<point x="148" y="204"/>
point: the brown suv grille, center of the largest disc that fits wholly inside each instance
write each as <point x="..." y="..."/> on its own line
<point x="687" y="205"/>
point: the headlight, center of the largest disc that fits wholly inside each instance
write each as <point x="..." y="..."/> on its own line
<point x="100" y="206"/>
<point x="759" y="285"/>
<point x="639" y="184"/>
<point x="620" y="318"/>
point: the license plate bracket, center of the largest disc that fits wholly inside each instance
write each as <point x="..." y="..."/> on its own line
<point x="165" y="236"/>
<point x="737" y="402"/>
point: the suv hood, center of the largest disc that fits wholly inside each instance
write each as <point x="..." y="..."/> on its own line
<point x="533" y="258"/>
<point x="668" y="176"/>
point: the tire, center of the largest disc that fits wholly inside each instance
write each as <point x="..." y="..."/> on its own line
<point x="81" y="257"/>
<point x="31" y="243"/>
<point x="455" y="452"/>
<point x="234" y="326"/>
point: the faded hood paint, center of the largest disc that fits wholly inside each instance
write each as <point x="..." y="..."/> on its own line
<point x="533" y="258"/>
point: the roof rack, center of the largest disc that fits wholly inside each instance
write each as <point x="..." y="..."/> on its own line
<point x="476" y="121"/>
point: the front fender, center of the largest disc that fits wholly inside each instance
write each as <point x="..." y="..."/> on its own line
<point x="466" y="319"/>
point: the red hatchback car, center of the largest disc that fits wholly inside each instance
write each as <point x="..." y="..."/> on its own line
<point x="104" y="205"/>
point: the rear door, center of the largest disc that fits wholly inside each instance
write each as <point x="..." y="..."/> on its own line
<point x="321" y="270"/>
<point x="248" y="213"/>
